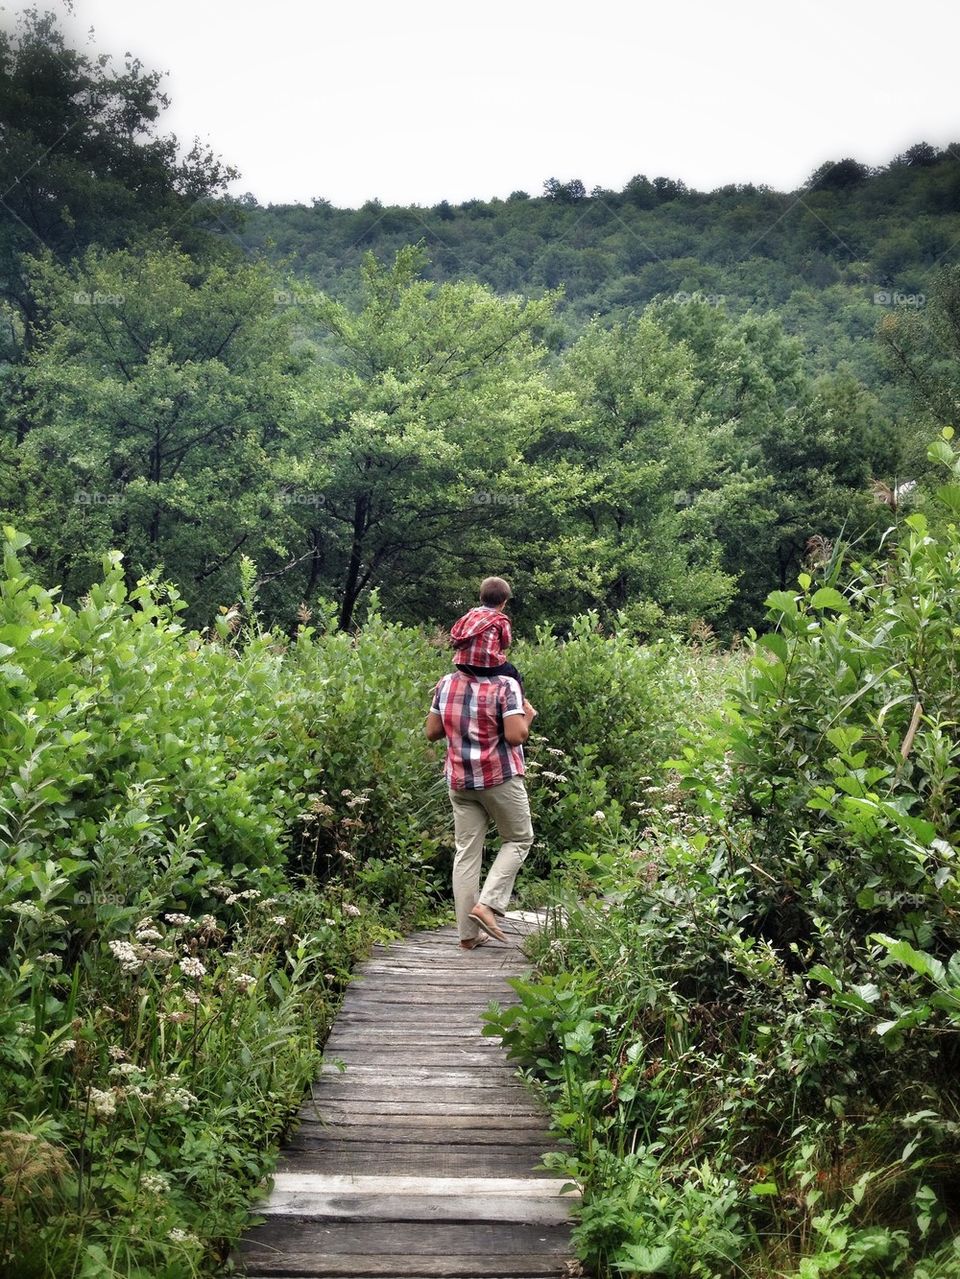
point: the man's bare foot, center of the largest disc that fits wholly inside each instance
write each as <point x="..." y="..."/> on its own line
<point x="487" y="921"/>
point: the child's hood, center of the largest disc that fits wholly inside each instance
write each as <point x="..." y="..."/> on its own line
<point x="473" y="623"/>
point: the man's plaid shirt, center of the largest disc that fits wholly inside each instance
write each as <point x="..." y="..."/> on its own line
<point x="473" y="709"/>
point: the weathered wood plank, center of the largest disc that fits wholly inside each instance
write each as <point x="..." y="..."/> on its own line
<point x="357" y="1106"/>
<point x="345" y="1206"/>
<point x="405" y="1241"/>
<point x="399" y="1115"/>
<point x="407" y="1055"/>
<point x="442" y="1160"/>
<point x="313" y="1134"/>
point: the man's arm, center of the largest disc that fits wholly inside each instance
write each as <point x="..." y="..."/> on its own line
<point x="434" y="727"/>
<point x="516" y="727"/>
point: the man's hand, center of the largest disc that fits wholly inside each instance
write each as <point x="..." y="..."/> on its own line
<point x="530" y="713"/>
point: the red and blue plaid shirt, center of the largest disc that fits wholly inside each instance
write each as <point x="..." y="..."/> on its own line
<point x="481" y="637"/>
<point x="473" y="709"/>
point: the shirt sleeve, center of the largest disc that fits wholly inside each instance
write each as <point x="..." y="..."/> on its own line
<point x="510" y="697"/>
<point x="506" y="633"/>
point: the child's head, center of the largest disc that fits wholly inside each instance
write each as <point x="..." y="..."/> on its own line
<point x="494" y="592"/>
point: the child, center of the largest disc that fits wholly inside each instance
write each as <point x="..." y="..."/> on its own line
<point x="482" y="636"/>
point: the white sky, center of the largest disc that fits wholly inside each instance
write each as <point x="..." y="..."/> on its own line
<point x="426" y="100"/>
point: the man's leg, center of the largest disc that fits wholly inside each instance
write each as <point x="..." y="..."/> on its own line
<point x="509" y="807"/>
<point x="470" y="822"/>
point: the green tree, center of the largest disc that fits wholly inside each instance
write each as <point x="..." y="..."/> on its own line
<point x="82" y="163"/>
<point x="157" y="397"/>
<point x="630" y="454"/>
<point x="413" y="424"/>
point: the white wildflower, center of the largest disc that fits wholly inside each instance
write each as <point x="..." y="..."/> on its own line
<point x="599" y="816"/>
<point x="48" y="957"/>
<point x="279" y="920"/>
<point x="28" y="911"/>
<point x="182" y="1236"/>
<point x="125" y="1069"/>
<point x="243" y="981"/>
<point x="148" y="934"/>
<point x="116" y="1053"/>
<point x="104" y="1103"/>
<point x="63" y="1047"/>
<point x="350" y="909"/>
<point x="191" y="967"/>
<point x="192" y="998"/>
<point x="178" y="920"/>
<point x="154" y="1183"/>
<point x="126" y="956"/>
<point x="183" y="1098"/>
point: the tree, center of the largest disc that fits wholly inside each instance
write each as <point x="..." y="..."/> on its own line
<point x="157" y="394"/>
<point x="838" y="175"/>
<point x="628" y="453"/>
<point x="81" y="162"/>
<point x="418" y="413"/>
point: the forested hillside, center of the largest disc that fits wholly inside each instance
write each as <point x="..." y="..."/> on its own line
<point x="826" y="258"/>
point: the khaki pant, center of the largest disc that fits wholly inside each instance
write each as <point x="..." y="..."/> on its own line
<point x="508" y="806"/>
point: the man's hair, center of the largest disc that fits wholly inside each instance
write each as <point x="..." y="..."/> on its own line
<point x="494" y="591"/>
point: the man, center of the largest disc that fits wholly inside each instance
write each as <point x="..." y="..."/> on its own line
<point x="486" y="720"/>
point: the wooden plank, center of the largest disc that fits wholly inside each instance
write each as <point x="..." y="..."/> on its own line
<point x="412" y="1076"/>
<point x="445" y="1159"/>
<point x="338" y="1090"/>
<point x="430" y="1106"/>
<point x="403" y="1241"/>
<point x="358" y="1267"/>
<point x="347" y="1116"/>
<point x="411" y="1055"/>
<point x="313" y="1134"/>
<point x="425" y="1185"/>
<point x="319" y="1205"/>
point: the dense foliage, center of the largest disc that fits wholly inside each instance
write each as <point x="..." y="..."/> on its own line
<point x="751" y="1037"/>
<point x="201" y="832"/>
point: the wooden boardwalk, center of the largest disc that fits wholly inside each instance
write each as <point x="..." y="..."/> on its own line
<point x="419" y="1159"/>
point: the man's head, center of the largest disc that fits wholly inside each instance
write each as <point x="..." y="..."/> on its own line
<point x="494" y="592"/>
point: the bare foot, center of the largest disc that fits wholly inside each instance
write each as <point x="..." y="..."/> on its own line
<point x="487" y="921"/>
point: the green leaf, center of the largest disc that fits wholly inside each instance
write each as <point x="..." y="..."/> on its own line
<point x="828" y="597"/>
<point x="782" y="602"/>
<point x="776" y="645"/>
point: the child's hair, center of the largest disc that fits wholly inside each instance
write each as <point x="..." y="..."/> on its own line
<point x="494" y="591"/>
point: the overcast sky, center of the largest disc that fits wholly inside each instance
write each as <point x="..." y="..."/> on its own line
<point x="433" y="99"/>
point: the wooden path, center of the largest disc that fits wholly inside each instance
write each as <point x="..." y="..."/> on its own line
<point x="419" y="1159"/>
